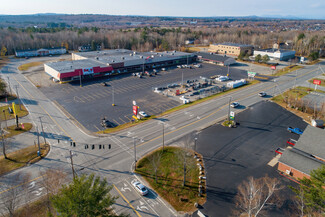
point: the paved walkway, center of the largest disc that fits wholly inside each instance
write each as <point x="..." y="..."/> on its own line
<point x="22" y="140"/>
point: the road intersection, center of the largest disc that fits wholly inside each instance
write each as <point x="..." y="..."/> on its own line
<point x="116" y="164"/>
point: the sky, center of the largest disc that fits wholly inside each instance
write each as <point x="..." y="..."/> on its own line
<point x="183" y="8"/>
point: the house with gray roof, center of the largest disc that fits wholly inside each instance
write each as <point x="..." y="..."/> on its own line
<point x="308" y="154"/>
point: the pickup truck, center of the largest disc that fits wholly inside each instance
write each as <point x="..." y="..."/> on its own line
<point x="295" y="130"/>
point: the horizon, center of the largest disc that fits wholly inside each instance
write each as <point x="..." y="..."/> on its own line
<point x="288" y="9"/>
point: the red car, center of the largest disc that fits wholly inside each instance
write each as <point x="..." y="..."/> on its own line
<point x="279" y="150"/>
<point x="291" y="142"/>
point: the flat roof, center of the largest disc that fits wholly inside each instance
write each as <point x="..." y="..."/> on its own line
<point x="132" y="58"/>
<point x="214" y="57"/>
<point x="234" y="44"/>
<point x="273" y="50"/>
<point x="69" y="66"/>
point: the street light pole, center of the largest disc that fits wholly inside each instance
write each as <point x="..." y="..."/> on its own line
<point x="195" y="140"/>
<point x="113" y="104"/>
<point x="80" y="78"/>
<point x="9" y="85"/>
<point x="40" y="119"/>
<point x="163" y="137"/>
<point x="4" y="114"/>
<point x="229" y="108"/>
<point x="16" y="86"/>
<point x="135" y="154"/>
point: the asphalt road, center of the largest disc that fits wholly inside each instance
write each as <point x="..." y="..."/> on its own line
<point x="91" y="102"/>
<point x="231" y="155"/>
<point x="115" y="164"/>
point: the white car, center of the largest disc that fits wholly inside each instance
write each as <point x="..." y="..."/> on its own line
<point x="261" y="94"/>
<point x="234" y="104"/>
<point x="143" y="114"/>
<point x="222" y="78"/>
<point x="139" y="187"/>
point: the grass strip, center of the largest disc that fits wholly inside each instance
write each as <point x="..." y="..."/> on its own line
<point x="6" y="115"/>
<point x="287" y="69"/>
<point x="22" y="157"/>
<point x="27" y="66"/>
<point x="170" y="175"/>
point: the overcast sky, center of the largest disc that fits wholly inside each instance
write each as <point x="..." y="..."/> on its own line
<point x="187" y="8"/>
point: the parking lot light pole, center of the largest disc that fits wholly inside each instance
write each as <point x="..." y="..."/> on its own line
<point x="80" y="78"/>
<point x="163" y="137"/>
<point x="135" y="154"/>
<point x="229" y="108"/>
<point x="113" y="104"/>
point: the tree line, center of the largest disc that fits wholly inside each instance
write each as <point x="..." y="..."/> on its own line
<point x="156" y="38"/>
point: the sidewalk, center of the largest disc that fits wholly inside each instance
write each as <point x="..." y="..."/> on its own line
<point x="22" y="140"/>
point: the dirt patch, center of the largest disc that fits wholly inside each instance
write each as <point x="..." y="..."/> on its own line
<point x="38" y="77"/>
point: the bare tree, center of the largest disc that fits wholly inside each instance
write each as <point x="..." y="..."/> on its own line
<point x="13" y="190"/>
<point x="253" y="194"/>
<point x="155" y="158"/>
<point x="184" y="157"/>
<point x="52" y="180"/>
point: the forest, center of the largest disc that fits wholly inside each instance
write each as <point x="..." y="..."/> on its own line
<point x="156" y="38"/>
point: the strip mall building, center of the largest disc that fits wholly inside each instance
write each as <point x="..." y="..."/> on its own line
<point x="87" y="65"/>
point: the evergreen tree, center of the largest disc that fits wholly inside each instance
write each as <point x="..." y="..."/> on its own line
<point x="86" y="196"/>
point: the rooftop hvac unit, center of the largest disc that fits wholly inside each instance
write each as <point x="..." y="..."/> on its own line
<point x="131" y="54"/>
<point x="122" y="58"/>
<point x="152" y="56"/>
<point x="141" y="57"/>
<point x="288" y="172"/>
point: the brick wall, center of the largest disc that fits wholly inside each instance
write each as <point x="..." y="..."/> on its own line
<point x="294" y="173"/>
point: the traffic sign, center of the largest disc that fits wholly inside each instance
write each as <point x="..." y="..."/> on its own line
<point x="232" y="115"/>
<point x="135" y="110"/>
<point x="273" y="67"/>
<point x="317" y="82"/>
<point x="251" y="74"/>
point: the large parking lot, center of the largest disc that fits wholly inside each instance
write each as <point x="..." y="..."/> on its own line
<point x="93" y="101"/>
<point x="231" y="155"/>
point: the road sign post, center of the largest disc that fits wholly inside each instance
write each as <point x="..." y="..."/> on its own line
<point x="317" y="82"/>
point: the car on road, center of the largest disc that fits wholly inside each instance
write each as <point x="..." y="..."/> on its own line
<point x="234" y="104"/>
<point x="261" y="94"/>
<point x="296" y="130"/>
<point x="143" y="114"/>
<point x="139" y="187"/>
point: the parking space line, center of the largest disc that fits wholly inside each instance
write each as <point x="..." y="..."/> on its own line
<point x="116" y="122"/>
<point x="127" y="118"/>
<point x="97" y="128"/>
<point x="122" y="119"/>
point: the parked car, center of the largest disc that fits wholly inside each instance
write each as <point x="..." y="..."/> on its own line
<point x="296" y="130"/>
<point x="163" y="69"/>
<point x="198" y="65"/>
<point x="143" y="114"/>
<point x="279" y="150"/>
<point x="104" y="84"/>
<point x="234" y="104"/>
<point x="179" y="66"/>
<point x="262" y="94"/>
<point x="222" y="78"/>
<point x="139" y="187"/>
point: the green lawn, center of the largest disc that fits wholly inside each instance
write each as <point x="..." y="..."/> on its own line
<point x="170" y="177"/>
<point x="298" y="92"/>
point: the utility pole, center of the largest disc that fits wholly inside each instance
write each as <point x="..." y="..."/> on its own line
<point x="3" y="145"/>
<point x="73" y="172"/>
<point x="113" y="104"/>
<point x="135" y="154"/>
<point x="38" y="142"/>
<point x="4" y="114"/>
<point x="9" y="85"/>
<point x="229" y="108"/>
<point x="80" y="78"/>
<point x="182" y="79"/>
<point x="16" y="86"/>
<point x="163" y="137"/>
<point x="40" y="119"/>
